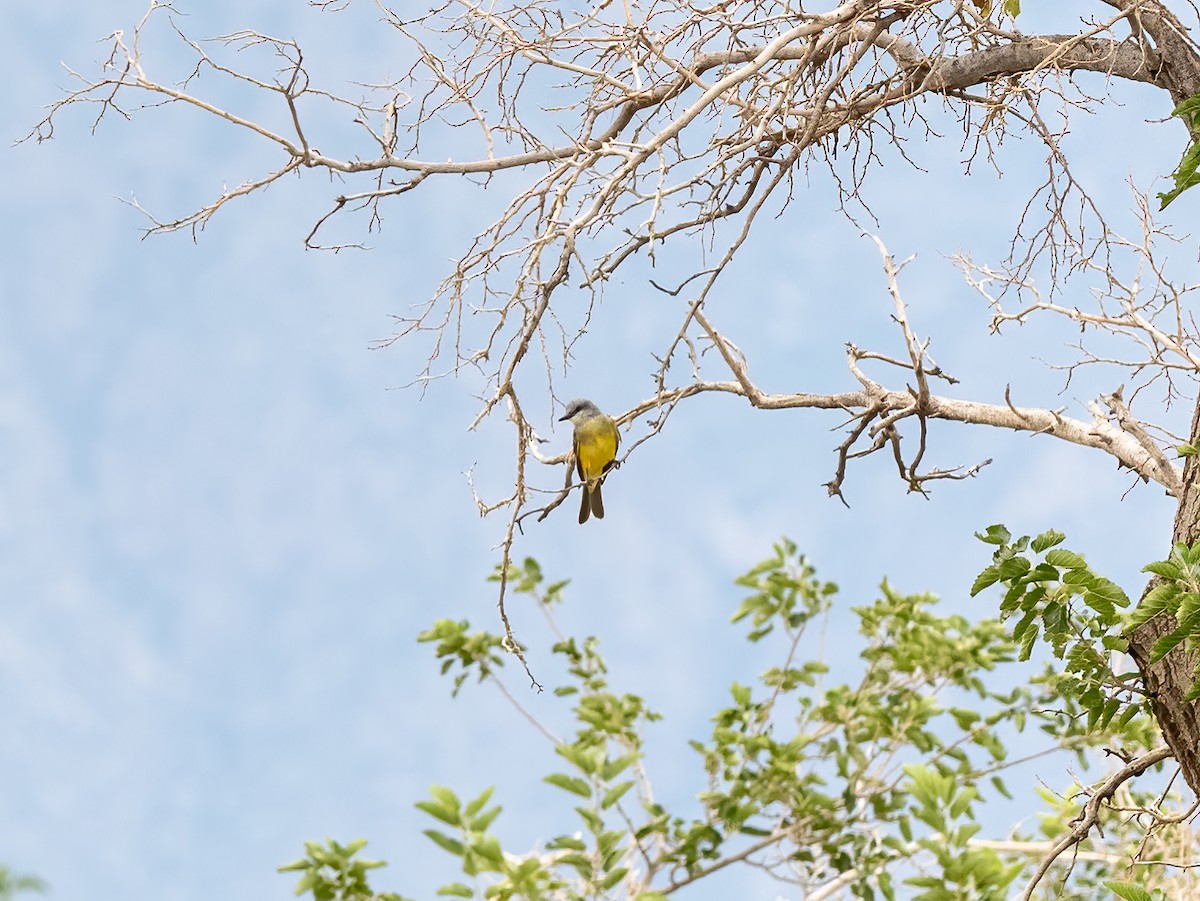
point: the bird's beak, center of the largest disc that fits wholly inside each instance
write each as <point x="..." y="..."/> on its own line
<point x="563" y="418"/>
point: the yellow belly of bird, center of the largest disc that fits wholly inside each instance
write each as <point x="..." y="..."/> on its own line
<point x="596" y="451"/>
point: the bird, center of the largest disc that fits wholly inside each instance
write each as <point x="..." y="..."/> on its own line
<point x="595" y="445"/>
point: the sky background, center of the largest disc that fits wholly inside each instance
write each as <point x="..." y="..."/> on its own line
<point x="223" y="522"/>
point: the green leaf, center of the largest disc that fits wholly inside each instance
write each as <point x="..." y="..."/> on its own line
<point x="925" y="882"/>
<point x="1185" y="175"/>
<point x="1162" y="598"/>
<point x="307" y="882"/>
<point x="1043" y="572"/>
<point x="748" y="606"/>
<point x="961" y="803"/>
<point x="1129" y="891"/>
<point x="1166" y="644"/>
<point x="1126" y="715"/>
<point x="1101" y="604"/>
<point x="995" y="534"/>
<point x="963" y="718"/>
<point x="965" y="833"/>
<point x="1026" y="643"/>
<point x="1047" y="540"/>
<point x="568" y="842"/>
<point x="1189" y="610"/>
<point x="1082" y="578"/>
<point x="489" y="849"/>
<point x="572" y="784"/>
<point x="613" y="878"/>
<point x="989" y="576"/>
<point x="445" y="796"/>
<point x="1054" y="619"/>
<point x="581" y="862"/>
<point x="483" y="821"/>
<point x="614" y="768"/>
<point x="1014" y="568"/>
<point x="591" y="819"/>
<point x="1187" y="109"/>
<point x="477" y="805"/>
<point x="1023" y="624"/>
<point x="1164" y="568"/>
<point x="1110" y="591"/>
<point x="456" y="890"/>
<point x="445" y="842"/>
<point x="1111" y="706"/>
<point x="613" y="795"/>
<point x="1065" y="559"/>
<point x="584" y="758"/>
<point x="434" y="809"/>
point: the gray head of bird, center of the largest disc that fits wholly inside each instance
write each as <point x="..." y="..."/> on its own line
<point x="579" y="410"/>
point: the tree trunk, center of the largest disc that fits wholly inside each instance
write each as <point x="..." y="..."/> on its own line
<point x="1170" y="679"/>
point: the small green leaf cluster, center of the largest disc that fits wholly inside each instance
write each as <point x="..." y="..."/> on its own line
<point x="823" y="771"/>
<point x="479" y="850"/>
<point x="1052" y="592"/>
<point x="473" y="652"/>
<point x="604" y="753"/>
<point x="941" y="803"/>
<point x="331" y="872"/>
<point x="527" y="579"/>
<point x="480" y="652"/>
<point x="783" y="593"/>
<point x="606" y="748"/>
<point x="480" y="853"/>
<point x="867" y="786"/>
<point x="1187" y="173"/>
<point x="1177" y="594"/>
<point x="600" y="855"/>
<point x="791" y="764"/>
<point x="602" y="715"/>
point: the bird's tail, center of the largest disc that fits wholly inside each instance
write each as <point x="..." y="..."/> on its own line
<point x="597" y="500"/>
<point x="591" y="502"/>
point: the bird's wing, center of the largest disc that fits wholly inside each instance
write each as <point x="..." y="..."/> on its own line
<point x="616" y="447"/>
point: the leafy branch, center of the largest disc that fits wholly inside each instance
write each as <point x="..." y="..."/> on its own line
<point x="865" y="785"/>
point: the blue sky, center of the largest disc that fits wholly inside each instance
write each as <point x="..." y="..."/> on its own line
<point x="222" y="523"/>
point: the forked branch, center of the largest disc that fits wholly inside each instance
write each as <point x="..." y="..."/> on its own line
<point x="1089" y="817"/>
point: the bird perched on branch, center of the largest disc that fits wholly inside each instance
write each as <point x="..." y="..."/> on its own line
<point x="595" y="445"/>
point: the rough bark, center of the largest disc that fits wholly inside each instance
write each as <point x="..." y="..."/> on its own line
<point x="1065" y="52"/>
<point x="1158" y="30"/>
<point x="1162" y="52"/>
<point x="1169" y="680"/>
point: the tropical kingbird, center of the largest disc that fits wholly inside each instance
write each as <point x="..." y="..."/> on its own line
<point x="595" y="445"/>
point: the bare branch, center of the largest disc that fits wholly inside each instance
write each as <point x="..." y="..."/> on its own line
<point x="1090" y="815"/>
<point x="685" y="123"/>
